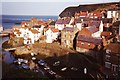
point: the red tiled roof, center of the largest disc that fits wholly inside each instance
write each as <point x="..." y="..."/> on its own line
<point x="33" y="19"/>
<point x="84" y="31"/>
<point x="98" y="14"/>
<point x="114" y="47"/>
<point x="28" y="38"/>
<point x="34" y="31"/>
<point x="83" y="14"/>
<point x="59" y="21"/>
<point x="55" y="30"/>
<point x="45" y="23"/>
<point x="106" y="33"/>
<point x="17" y="31"/>
<point x="25" y="24"/>
<point x="40" y="22"/>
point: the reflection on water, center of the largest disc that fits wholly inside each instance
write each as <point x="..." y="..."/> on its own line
<point x="7" y="56"/>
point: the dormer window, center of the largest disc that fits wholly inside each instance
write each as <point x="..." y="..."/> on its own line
<point x="82" y="43"/>
<point x="88" y="44"/>
<point x="108" y="51"/>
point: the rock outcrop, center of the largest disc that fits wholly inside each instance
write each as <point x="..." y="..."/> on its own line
<point x="70" y="11"/>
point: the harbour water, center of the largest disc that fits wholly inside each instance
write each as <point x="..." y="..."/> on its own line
<point x="9" y="20"/>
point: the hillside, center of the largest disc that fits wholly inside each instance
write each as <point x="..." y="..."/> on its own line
<point x="70" y="11"/>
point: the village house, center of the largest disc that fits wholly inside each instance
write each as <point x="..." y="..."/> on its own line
<point x="81" y="22"/>
<point x="85" y="41"/>
<point x="25" y="24"/>
<point x="68" y="22"/>
<point x="39" y="28"/>
<point x="112" y="58"/>
<point x="95" y="27"/>
<point x="116" y="30"/>
<point x="113" y="13"/>
<point x="63" y="22"/>
<point x="78" y="23"/>
<point x="52" y="24"/>
<point x="33" y="21"/>
<point x="107" y="24"/>
<point x="67" y="36"/>
<point x="59" y="24"/>
<point x="34" y="36"/>
<point x="107" y="37"/>
<point x="95" y="15"/>
<point x="51" y="34"/>
<point x="29" y="34"/>
<point x="116" y="27"/>
<point x="81" y="14"/>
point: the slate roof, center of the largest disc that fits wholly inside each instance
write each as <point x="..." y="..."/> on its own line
<point x="116" y="24"/>
<point x="66" y="20"/>
<point x="52" y="23"/>
<point x="68" y="29"/>
<point x="94" y="26"/>
<point x="95" y="41"/>
<point x="107" y="20"/>
<point x="59" y="21"/>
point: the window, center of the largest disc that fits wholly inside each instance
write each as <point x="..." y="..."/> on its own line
<point x="64" y="41"/>
<point x="65" y="35"/>
<point x="88" y="44"/>
<point x="107" y="64"/>
<point x="67" y="42"/>
<point x="108" y="51"/>
<point x="107" y="57"/>
<point x="114" y="67"/>
<point x="82" y="43"/>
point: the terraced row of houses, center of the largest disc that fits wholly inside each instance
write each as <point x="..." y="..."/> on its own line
<point x="81" y="33"/>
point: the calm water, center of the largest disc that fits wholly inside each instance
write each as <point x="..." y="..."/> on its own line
<point x="9" y="20"/>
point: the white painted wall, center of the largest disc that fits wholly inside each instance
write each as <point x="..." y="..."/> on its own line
<point x="59" y="26"/>
<point x="1" y="28"/>
<point x="109" y="14"/>
<point x="79" y="25"/>
<point x="51" y="36"/>
<point x="101" y="27"/>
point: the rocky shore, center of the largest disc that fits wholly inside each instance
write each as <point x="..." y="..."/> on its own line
<point x="42" y="50"/>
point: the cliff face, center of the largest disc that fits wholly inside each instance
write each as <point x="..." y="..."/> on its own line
<point x="70" y="11"/>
